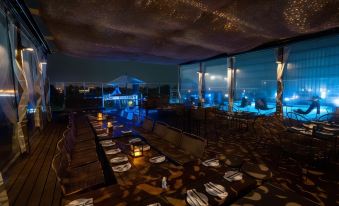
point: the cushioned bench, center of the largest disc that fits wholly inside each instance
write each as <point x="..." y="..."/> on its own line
<point x="176" y="145"/>
<point x="146" y="127"/>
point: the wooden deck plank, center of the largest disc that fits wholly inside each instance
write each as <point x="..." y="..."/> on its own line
<point x="51" y="189"/>
<point x="57" y="195"/>
<point x="43" y="174"/>
<point x="14" y="191"/>
<point x="48" y="193"/>
<point x="20" y="163"/>
<point x="29" y="185"/>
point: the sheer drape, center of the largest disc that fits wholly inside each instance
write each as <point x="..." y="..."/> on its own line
<point x="7" y="94"/>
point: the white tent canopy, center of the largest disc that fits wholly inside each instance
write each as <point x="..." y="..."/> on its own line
<point x="124" y="80"/>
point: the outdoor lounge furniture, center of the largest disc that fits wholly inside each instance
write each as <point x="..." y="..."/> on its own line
<point x="179" y="147"/>
<point x="146" y="127"/>
<point x="73" y="180"/>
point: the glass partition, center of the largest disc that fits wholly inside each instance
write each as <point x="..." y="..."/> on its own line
<point x="189" y="79"/>
<point x="8" y="111"/>
<point x="311" y="77"/>
<point x="256" y="83"/>
<point x="216" y="83"/>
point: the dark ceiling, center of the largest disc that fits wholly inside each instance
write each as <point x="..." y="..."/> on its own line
<point x="176" y="31"/>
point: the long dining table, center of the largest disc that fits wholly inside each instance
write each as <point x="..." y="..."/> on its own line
<point x="142" y="183"/>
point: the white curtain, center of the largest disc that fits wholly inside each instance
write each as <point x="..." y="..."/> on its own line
<point x="23" y="98"/>
<point x="7" y="95"/>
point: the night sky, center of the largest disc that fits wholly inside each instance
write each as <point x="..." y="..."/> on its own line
<point x="62" y="68"/>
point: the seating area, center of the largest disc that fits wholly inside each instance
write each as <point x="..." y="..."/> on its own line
<point x="179" y="146"/>
<point x="178" y="103"/>
<point x="76" y="164"/>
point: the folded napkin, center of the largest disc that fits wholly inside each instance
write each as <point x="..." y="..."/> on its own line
<point x="211" y="163"/>
<point x="157" y="159"/>
<point x="216" y="190"/>
<point x="81" y="202"/>
<point x="122" y="168"/>
<point x="113" y="151"/>
<point x="119" y="159"/>
<point x="195" y="198"/>
<point x="233" y="176"/>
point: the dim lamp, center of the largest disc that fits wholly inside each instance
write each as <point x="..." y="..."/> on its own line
<point x="136" y="150"/>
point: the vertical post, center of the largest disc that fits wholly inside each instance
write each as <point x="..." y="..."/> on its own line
<point x="280" y="87"/>
<point x="231" y="75"/>
<point x="102" y="96"/>
<point x="179" y="85"/>
<point x="200" y="84"/>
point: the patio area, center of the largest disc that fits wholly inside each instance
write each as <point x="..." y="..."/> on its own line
<point x="181" y="102"/>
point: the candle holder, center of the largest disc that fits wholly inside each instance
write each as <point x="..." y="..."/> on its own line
<point x="100" y="117"/>
<point x="137" y="150"/>
<point x="109" y="127"/>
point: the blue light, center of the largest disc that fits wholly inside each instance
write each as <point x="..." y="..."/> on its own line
<point x="336" y="102"/>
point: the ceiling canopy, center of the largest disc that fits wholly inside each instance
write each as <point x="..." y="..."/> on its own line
<point x="176" y="31"/>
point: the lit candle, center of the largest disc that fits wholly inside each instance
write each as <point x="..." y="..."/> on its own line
<point x="109" y="124"/>
<point x="99" y="116"/>
<point x="137" y="153"/>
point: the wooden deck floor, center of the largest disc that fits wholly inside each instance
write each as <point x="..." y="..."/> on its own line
<point x="31" y="180"/>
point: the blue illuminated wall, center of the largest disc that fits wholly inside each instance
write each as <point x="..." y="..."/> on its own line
<point x="255" y="79"/>
<point x="312" y="71"/>
<point x="189" y="83"/>
<point x="216" y="91"/>
<point x="311" y="74"/>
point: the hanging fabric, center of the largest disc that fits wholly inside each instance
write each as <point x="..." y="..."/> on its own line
<point x="22" y="100"/>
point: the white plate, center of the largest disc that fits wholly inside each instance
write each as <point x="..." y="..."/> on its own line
<point x="106" y="141"/>
<point x="211" y="163"/>
<point x="155" y="204"/>
<point x="103" y="135"/>
<point x="126" y="131"/>
<point x="122" y="168"/>
<point x="119" y="159"/>
<point x="81" y="202"/>
<point x="146" y="147"/>
<point x="157" y="159"/>
<point x="233" y="176"/>
<point x="193" y="201"/>
<point x="108" y="144"/>
<point x="134" y="140"/>
<point x="216" y="190"/>
<point x="113" y="151"/>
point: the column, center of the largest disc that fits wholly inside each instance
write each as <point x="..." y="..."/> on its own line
<point x="200" y="84"/>
<point x="280" y="87"/>
<point x="231" y="75"/>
